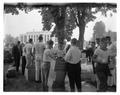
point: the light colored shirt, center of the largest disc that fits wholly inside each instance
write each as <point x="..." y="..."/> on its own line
<point x="23" y="51"/>
<point x="47" y="55"/>
<point x="102" y="55"/>
<point x="39" y="49"/>
<point x="28" y="49"/>
<point x="112" y="49"/>
<point x="73" y="55"/>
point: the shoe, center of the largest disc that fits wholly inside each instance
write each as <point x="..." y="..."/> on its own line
<point x="45" y="88"/>
<point x="38" y="81"/>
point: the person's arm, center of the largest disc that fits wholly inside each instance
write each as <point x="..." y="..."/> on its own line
<point x="95" y="57"/>
<point x="51" y="55"/>
<point x="68" y="56"/>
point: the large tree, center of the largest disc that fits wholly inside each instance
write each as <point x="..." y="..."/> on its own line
<point x="65" y="16"/>
<point x="77" y="15"/>
<point x="9" y="39"/>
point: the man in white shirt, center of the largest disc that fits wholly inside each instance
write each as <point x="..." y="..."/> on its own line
<point x="73" y="65"/>
<point x="28" y="55"/>
<point x="38" y="51"/>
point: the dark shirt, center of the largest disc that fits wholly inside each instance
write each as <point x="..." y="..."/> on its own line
<point x="15" y="51"/>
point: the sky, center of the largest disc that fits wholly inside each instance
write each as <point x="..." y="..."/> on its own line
<point x="22" y="23"/>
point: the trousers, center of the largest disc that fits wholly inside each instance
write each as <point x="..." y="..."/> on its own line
<point x="74" y="75"/>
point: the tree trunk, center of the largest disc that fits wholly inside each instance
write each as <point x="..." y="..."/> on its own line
<point x="81" y="25"/>
<point x="81" y="35"/>
<point x="60" y="30"/>
<point x="60" y="24"/>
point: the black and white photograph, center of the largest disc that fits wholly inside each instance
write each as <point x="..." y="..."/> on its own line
<point x="60" y="47"/>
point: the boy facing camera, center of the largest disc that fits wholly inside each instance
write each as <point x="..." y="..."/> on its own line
<point x="101" y="57"/>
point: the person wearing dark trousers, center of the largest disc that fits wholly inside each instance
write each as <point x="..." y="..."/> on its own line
<point x="102" y="73"/>
<point x="73" y="66"/>
<point x="23" y="60"/>
<point x="74" y="72"/>
<point x="16" y="55"/>
<point x="23" y="64"/>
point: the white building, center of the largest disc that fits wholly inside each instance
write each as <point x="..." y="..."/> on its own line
<point x="35" y="34"/>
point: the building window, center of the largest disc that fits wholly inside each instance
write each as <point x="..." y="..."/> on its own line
<point x="29" y="36"/>
<point x="37" y="36"/>
<point x="25" y="39"/>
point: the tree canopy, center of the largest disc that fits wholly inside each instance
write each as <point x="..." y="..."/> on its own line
<point x="66" y="16"/>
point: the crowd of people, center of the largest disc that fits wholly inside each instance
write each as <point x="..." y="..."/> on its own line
<point x="102" y="54"/>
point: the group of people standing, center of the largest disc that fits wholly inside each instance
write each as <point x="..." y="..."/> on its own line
<point x="104" y="63"/>
<point x="67" y="62"/>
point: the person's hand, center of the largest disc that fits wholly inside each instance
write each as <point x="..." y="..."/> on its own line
<point x="28" y="66"/>
<point x="104" y="61"/>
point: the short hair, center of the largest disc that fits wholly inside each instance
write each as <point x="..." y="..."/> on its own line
<point x="108" y="38"/>
<point x="93" y="42"/>
<point x="18" y="42"/>
<point x="50" y="42"/>
<point x="103" y="39"/>
<point x="30" y="40"/>
<point x="74" y="41"/>
<point x="40" y="38"/>
<point x="97" y="39"/>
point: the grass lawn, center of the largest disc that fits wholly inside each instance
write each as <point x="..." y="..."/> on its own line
<point x="20" y="84"/>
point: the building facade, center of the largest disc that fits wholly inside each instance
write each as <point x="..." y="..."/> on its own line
<point x="34" y="36"/>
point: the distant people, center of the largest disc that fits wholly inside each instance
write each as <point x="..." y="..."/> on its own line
<point x="101" y="56"/>
<point x="16" y="54"/>
<point x="47" y="58"/>
<point x="92" y="49"/>
<point x="38" y="51"/>
<point x="29" y="55"/>
<point x="73" y="65"/>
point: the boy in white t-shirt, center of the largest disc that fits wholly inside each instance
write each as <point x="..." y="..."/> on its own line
<point x="47" y="58"/>
<point x="101" y="57"/>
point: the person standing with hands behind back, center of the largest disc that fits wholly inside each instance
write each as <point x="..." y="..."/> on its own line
<point x="29" y="56"/>
<point x="38" y="51"/>
<point x="73" y="65"/>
